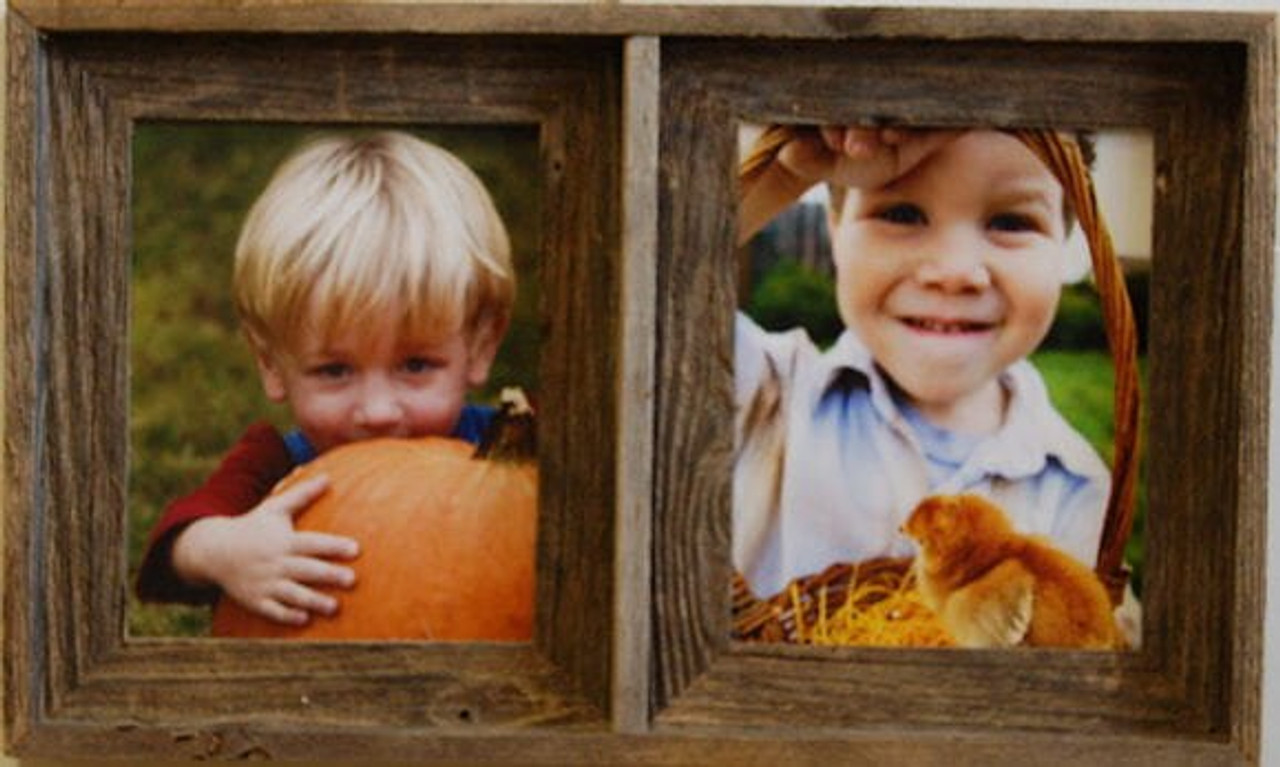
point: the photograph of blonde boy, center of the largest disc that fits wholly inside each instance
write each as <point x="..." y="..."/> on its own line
<point x="922" y="341"/>
<point x="365" y="291"/>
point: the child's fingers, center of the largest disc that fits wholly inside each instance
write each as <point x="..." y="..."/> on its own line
<point x="850" y="140"/>
<point x="861" y="142"/>
<point x="299" y="495"/>
<point x="278" y="612"/>
<point x="833" y="136"/>
<point x="318" y="572"/>
<point x="294" y="597"/>
<point x="914" y="146"/>
<point x="895" y="136"/>
<point x="812" y="154"/>
<point x="309" y="543"/>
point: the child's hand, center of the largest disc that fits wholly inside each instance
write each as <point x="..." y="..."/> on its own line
<point x="261" y="562"/>
<point x="861" y="158"/>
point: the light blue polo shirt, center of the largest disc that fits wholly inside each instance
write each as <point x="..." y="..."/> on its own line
<point x="851" y="463"/>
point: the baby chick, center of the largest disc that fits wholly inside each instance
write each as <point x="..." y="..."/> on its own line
<point x="992" y="587"/>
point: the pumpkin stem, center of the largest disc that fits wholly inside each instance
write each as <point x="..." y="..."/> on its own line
<point x="513" y="435"/>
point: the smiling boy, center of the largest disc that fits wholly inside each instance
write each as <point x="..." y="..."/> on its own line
<point x="949" y="250"/>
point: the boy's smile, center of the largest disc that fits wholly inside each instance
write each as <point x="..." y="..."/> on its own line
<point x="951" y="273"/>
<point x="948" y="327"/>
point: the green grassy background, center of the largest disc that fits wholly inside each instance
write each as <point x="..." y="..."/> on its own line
<point x="1080" y="384"/>
<point x="193" y="384"/>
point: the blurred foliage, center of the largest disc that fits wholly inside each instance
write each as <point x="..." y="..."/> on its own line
<point x="194" y="387"/>
<point x="790" y="295"/>
<point x="1079" y="324"/>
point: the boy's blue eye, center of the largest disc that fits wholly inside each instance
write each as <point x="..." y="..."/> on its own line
<point x="1013" y="222"/>
<point x="903" y="213"/>
<point x="419" y="365"/>
<point x="331" y="370"/>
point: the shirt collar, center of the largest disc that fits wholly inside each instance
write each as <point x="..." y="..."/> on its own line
<point x="1032" y="433"/>
<point x="849" y="355"/>
<point x="300" y="448"/>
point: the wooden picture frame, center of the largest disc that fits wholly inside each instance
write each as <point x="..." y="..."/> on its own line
<point x="638" y="106"/>
<point x="937" y="85"/>
<point x="72" y="283"/>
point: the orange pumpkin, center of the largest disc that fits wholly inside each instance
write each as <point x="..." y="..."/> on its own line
<point x="446" y="539"/>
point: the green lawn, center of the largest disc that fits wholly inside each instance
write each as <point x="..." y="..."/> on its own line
<point x="1080" y="385"/>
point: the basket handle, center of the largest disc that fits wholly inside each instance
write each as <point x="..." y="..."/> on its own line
<point x="1065" y="160"/>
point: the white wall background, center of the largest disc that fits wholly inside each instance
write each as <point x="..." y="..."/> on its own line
<point x="1271" y="685"/>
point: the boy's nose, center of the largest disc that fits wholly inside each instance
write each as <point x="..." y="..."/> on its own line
<point x="955" y="264"/>
<point x="378" y="408"/>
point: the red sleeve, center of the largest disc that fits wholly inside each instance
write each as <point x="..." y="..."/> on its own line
<point x="246" y="475"/>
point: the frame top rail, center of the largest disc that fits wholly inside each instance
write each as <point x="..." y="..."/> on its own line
<point x="676" y="20"/>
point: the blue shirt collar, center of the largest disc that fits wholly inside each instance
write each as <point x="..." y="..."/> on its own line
<point x="1031" y="423"/>
<point x="300" y="448"/>
<point x="473" y="423"/>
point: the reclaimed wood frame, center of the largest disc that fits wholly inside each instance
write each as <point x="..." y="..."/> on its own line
<point x="638" y="107"/>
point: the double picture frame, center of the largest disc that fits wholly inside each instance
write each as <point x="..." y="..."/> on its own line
<point x="637" y="113"/>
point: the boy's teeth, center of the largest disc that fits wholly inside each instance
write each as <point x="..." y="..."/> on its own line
<point x="938" y="326"/>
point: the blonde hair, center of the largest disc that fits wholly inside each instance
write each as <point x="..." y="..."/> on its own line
<point x="351" y="229"/>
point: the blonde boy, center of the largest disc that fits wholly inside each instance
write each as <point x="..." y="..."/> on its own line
<point x="374" y="284"/>
<point x="949" y="251"/>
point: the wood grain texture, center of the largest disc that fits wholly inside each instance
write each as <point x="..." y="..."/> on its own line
<point x="1259" y="209"/>
<point x="578" y="438"/>
<point x="1187" y="680"/>
<point x="632" y="639"/>
<point x="337" y="742"/>
<point x="24" y="321"/>
<point x="616" y="19"/>
<point x="1195" y="518"/>
<point x="639" y="300"/>
<point x="695" y="394"/>
<point x="67" y="295"/>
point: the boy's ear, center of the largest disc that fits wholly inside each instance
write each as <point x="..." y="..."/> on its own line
<point x="483" y="349"/>
<point x="269" y="372"/>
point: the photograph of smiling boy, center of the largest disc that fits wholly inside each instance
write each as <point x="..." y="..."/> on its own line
<point x="908" y="354"/>
<point x="193" y="185"/>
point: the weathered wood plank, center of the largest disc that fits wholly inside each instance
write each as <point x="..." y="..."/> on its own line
<point x="578" y="437"/>
<point x="23" y="336"/>
<point x="73" y="577"/>
<point x="1197" y="357"/>
<point x="632" y="638"/>
<point x="617" y="19"/>
<point x="88" y="269"/>
<point x="1259" y="239"/>
<point x="928" y="748"/>
<point x="872" y="80"/>
<point x="695" y="395"/>
<point x="1191" y="97"/>
<point x="343" y="78"/>
<point x="581" y="693"/>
